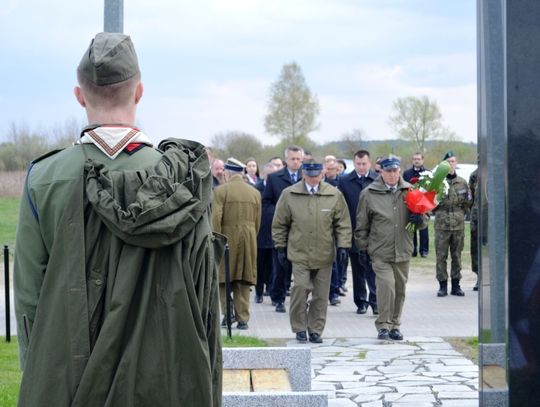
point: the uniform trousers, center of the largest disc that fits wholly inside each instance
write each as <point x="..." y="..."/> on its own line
<point x="362" y="276"/>
<point x="264" y="270"/>
<point x="391" y="280"/>
<point x="449" y="240"/>
<point x="310" y="317"/>
<point x="240" y="291"/>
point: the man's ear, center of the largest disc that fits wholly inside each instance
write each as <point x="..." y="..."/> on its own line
<point x="79" y="96"/>
<point x="139" y="90"/>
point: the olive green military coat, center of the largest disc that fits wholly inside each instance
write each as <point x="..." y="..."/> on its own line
<point x="450" y="213"/>
<point x="381" y="220"/>
<point x="236" y="213"/>
<point x="115" y="280"/>
<point x="311" y="226"/>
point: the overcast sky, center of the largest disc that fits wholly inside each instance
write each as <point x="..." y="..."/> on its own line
<point x="207" y="65"/>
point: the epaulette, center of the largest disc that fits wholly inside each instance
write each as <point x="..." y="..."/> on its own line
<point x="47" y="154"/>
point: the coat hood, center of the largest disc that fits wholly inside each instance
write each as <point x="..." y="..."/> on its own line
<point x="170" y="197"/>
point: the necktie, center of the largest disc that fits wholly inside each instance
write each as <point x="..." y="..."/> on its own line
<point x="293" y="177"/>
<point x="312" y="190"/>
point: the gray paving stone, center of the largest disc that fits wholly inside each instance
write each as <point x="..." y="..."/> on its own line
<point x="439" y="367"/>
<point x="458" y="395"/>
<point x="450" y="387"/>
<point x="459" y="403"/>
<point x="415" y="389"/>
<point x="365" y="390"/>
<point x="341" y="403"/>
<point x="420" y="339"/>
<point x="354" y="385"/>
<point x="378" y="403"/>
<point x="337" y="378"/>
<point x="435" y="346"/>
<point x="457" y="361"/>
<point x="417" y="398"/>
<point x="398" y="369"/>
<point x="367" y="398"/>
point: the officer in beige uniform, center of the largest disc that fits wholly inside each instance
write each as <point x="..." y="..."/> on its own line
<point x="310" y="221"/>
<point x="381" y="221"/>
<point x="237" y="215"/>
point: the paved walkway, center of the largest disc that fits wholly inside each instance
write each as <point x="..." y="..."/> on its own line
<point x="356" y="369"/>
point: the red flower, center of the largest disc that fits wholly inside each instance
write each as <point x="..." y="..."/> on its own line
<point x="420" y="202"/>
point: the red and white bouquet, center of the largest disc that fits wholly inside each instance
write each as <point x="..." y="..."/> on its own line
<point x="428" y="190"/>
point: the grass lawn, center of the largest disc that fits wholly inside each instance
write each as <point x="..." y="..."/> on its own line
<point x="10" y="374"/>
<point x="9" y="213"/>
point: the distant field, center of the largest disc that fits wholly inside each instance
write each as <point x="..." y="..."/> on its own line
<point x="11" y="183"/>
<point x="9" y="213"/>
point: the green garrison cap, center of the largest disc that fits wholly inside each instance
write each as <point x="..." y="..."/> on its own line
<point x="110" y="58"/>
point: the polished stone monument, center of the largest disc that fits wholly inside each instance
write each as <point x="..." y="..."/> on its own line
<point x="509" y="145"/>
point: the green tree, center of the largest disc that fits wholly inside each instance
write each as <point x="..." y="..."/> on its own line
<point x="351" y="142"/>
<point x="419" y="119"/>
<point x="236" y="144"/>
<point x="292" y="108"/>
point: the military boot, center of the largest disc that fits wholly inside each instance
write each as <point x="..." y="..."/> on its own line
<point x="443" y="289"/>
<point x="456" y="289"/>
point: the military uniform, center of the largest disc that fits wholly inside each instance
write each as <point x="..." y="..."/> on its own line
<point x="236" y="213"/>
<point x="310" y="226"/>
<point x="473" y="184"/>
<point x="381" y="221"/>
<point x="450" y="231"/>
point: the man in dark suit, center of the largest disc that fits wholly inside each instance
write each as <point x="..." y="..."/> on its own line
<point x="275" y="184"/>
<point x="264" y="240"/>
<point x="351" y="185"/>
<point x="411" y="176"/>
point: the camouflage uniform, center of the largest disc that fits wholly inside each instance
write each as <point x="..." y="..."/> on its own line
<point x="473" y="184"/>
<point x="450" y="227"/>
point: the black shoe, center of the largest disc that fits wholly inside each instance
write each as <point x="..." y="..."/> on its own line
<point x="395" y="335"/>
<point x="224" y="320"/>
<point x="456" y="289"/>
<point x="315" y="338"/>
<point x="301" y="336"/>
<point x="258" y="299"/>
<point x="414" y="254"/>
<point x="383" y="334"/>
<point x="340" y="292"/>
<point x="335" y="301"/>
<point x="362" y="309"/>
<point x="280" y="307"/>
<point x="375" y="310"/>
<point x="423" y="254"/>
<point x="443" y="289"/>
<point x="242" y="325"/>
<point x="475" y="288"/>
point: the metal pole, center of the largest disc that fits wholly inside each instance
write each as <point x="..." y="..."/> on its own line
<point x="6" y="287"/>
<point x="114" y="16"/>
<point x="228" y="292"/>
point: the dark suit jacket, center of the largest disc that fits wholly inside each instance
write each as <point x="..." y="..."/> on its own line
<point x="264" y="238"/>
<point x="275" y="184"/>
<point x="351" y="186"/>
<point x="411" y="173"/>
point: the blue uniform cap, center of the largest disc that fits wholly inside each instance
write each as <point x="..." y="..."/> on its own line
<point x="312" y="168"/>
<point x="235" y="165"/>
<point x="390" y="162"/>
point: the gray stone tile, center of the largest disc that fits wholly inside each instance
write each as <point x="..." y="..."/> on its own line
<point x="450" y="387"/>
<point x="398" y="369"/>
<point x="417" y="398"/>
<point x="457" y="361"/>
<point x="341" y="403"/>
<point x="413" y="389"/>
<point x="337" y="378"/>
<point x="366" y="398"/>
<point x="377" y="403"/>
<point x="459" y="403"/>
<point x="435" y="346"/>
<point x="355" y="385"/>
<point x="458" y="395"/>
